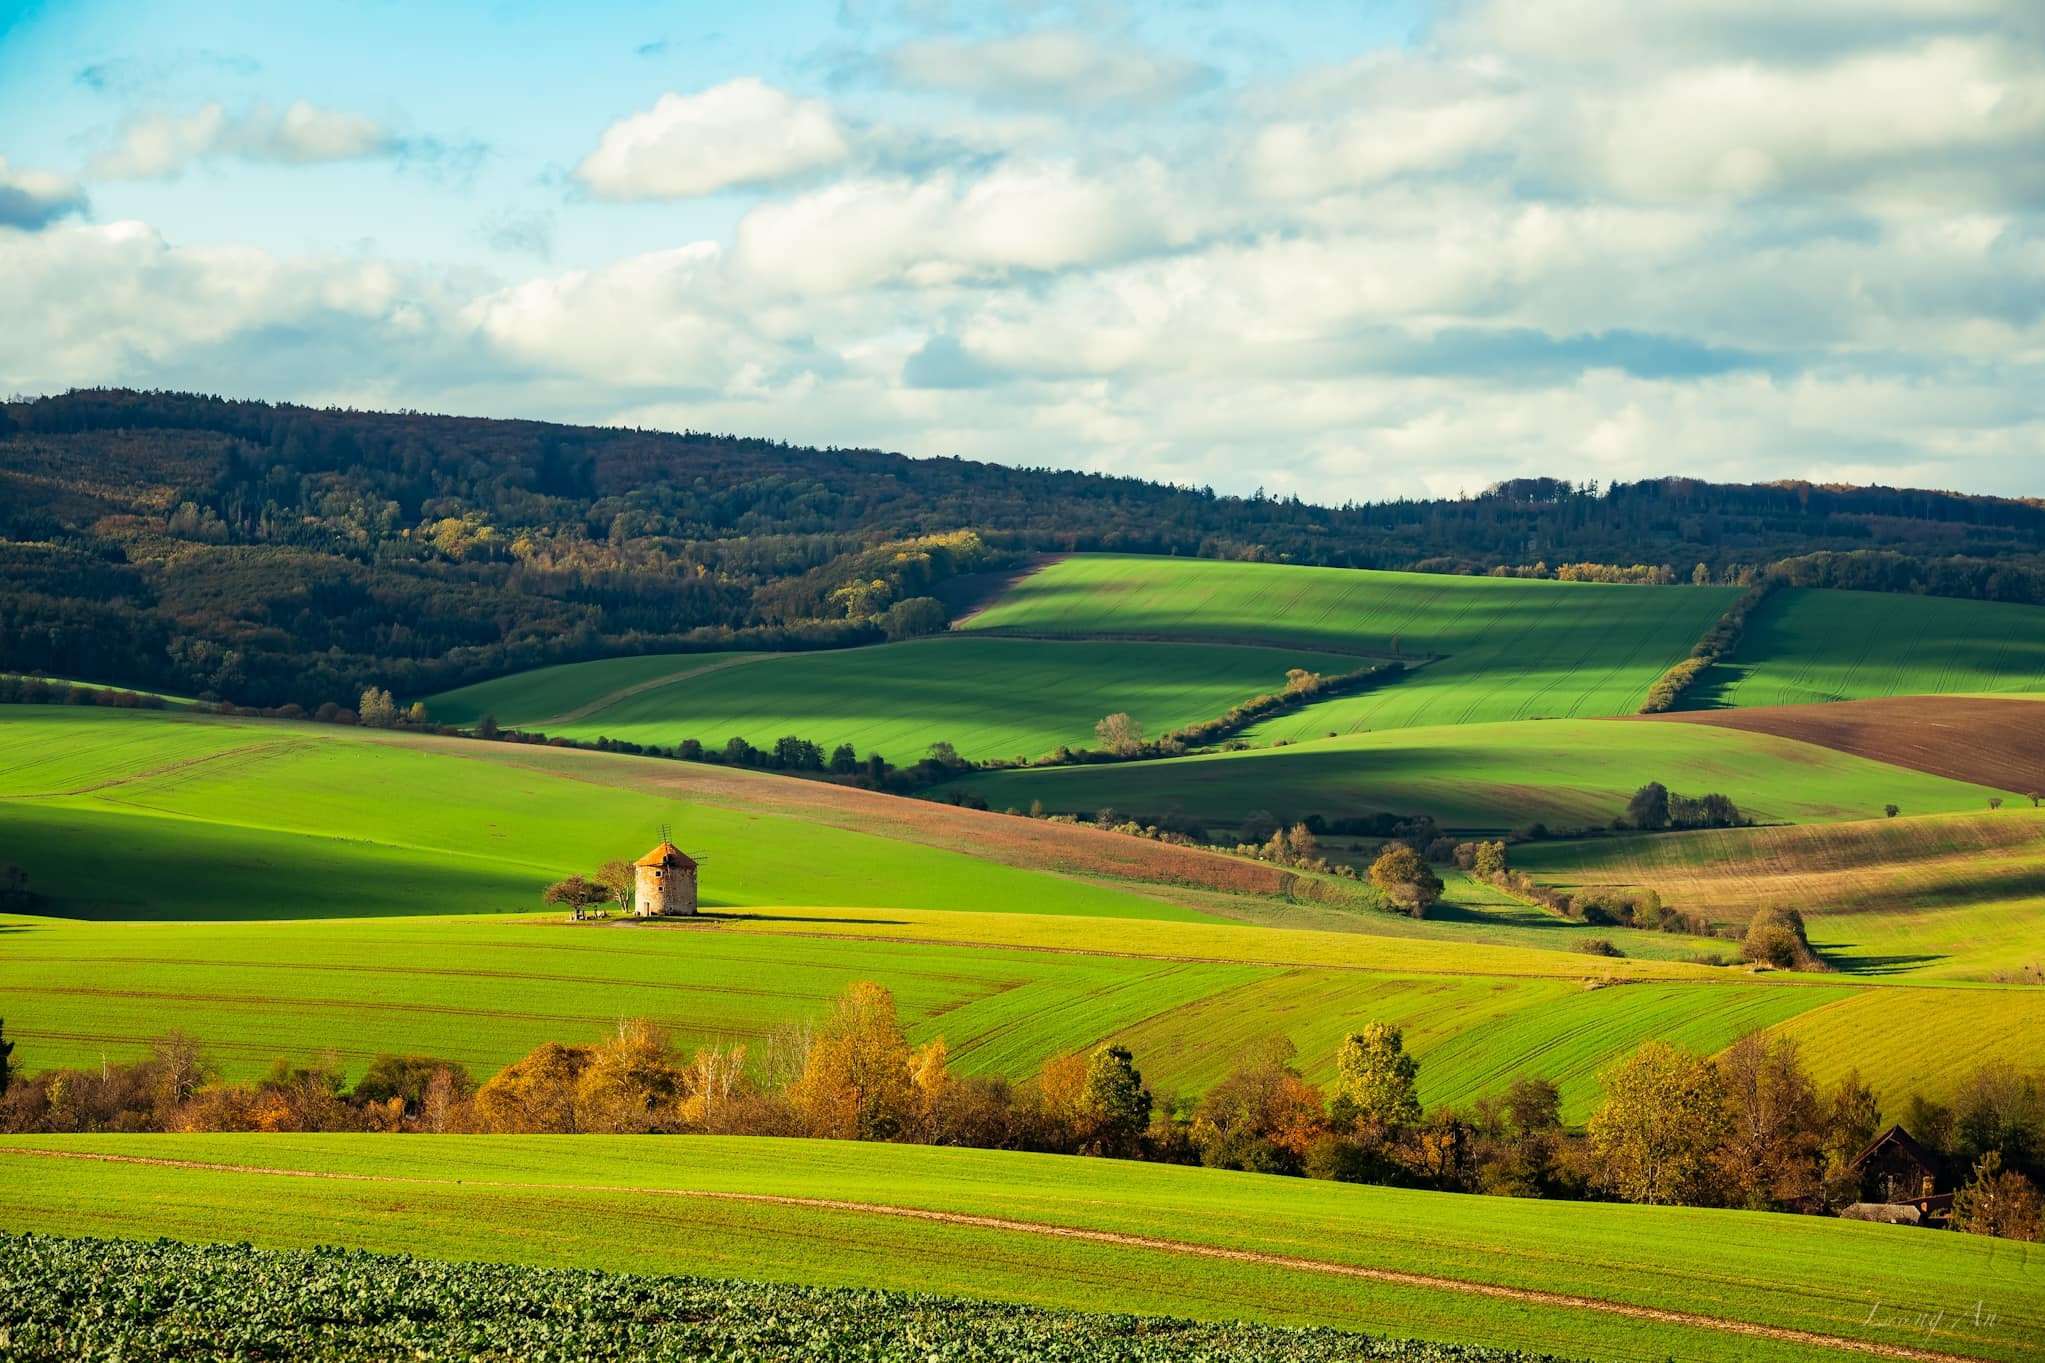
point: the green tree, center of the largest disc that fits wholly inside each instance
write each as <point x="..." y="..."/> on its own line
<point x="1649" y="807"/>
<point x="573" y="893"/>
<point x="1663" y="1120"/>
<point x="1115" y="1103"/>
<point x="1405" y="878"/>
<point x="1376" y="1078"/>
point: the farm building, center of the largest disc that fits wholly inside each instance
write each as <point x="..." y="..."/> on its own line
<point x="664" y="883"/>
<point x="1897" y="1176"/>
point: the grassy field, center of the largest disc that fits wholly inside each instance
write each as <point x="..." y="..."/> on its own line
<point x="627" y="1204"/>
<point x="1004" y="990"/>
<point x="1566" y="773"/>
<point x="1956" y="895"/>
<point x="987" y="697"/>
<point x="1509" y="648"/>
<point x="228" y="819"/>
<point x="1808" y="645"/>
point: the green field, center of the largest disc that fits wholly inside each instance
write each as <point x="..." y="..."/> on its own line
<point x="1807" y="646"/>
<point x="1954" y="895"/>
<point x="135" y="815"/>
<point x="1565" y="773"/>
<point x="1507" y="648"/>
<point x="989" y="698"/>
<point x="626" y="1203"/>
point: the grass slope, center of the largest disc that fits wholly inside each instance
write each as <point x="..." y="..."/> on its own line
<point x="1810" y="645"/>
<point x="987" y="697"/>
<point x="1514" y="649"/>
<point x="1941" y="895"/>
<point x="134" y="815"/>
<point x="1566" y="773"/>
<point x="621" y="1204"/>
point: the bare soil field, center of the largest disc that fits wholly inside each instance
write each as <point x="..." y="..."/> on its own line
<point x="1991" y="742"/>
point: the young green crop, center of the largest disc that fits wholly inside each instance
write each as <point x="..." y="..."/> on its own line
<point x="1482" y="649"/>
<point x="1489" y="777"/>
<point x="1805" y="646"/>
<point x="989" y="698"/>
<point x="637" y="1204"/>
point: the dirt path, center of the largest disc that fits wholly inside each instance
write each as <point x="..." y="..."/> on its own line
<point x="605" y="702"/>
<point x="1120" y="1239"/>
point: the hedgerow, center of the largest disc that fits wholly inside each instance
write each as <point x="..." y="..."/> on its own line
<point x="118" y="1299"/>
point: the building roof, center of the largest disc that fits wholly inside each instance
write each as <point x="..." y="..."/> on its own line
<point x="1903" y="1141"/>
<point x="667" y="854"/>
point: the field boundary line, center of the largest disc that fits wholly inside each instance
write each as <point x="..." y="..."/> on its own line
<point x="1122" y="1239"/>
<point x="605" y="702"/>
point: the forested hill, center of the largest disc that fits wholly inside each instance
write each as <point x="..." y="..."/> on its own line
<point x="271" y="553"/>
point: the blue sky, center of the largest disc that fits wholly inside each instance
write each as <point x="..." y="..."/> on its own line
<point x="1345" y="250"/>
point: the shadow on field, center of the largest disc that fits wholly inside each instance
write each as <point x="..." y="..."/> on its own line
<point x="1832" y="952"/>
<point x="731" y="916"/>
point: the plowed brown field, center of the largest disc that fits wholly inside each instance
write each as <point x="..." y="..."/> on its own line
<point x="1991" y="742"/>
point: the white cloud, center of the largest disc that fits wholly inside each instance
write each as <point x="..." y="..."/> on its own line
<point x="742" y="132"/>
<point x="33" y="199"/>
<point x="161" y="146"/>
<point x="1050" y="66"/>
<point x="943" y="229"/>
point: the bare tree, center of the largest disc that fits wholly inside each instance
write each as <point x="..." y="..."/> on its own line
<point x="1119" y="733"/>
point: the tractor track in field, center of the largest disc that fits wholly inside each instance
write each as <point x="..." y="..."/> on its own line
<point x="164" y="770"/>
<point x="1119" y="1239"/>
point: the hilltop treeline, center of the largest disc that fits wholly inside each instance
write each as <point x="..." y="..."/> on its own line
<point x="1746" y="1128"/>
<point x="269" y="553"/>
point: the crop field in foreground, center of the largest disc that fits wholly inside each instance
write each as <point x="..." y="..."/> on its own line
<point x="1566" y="773"/>
<point x="1941" y="895"/>
<point x="1398" y="1262"/>
<point x="1993" y="741"/>
<point x="1815" y="645"/>
<point x="987" y="697"/>
<point x="63" y="1299"/>
<point x="1512" y="648"/>
<point x="228" y="819"/>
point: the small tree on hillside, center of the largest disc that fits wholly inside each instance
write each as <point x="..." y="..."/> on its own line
<point x="1892" y="810"/>
<point x="1998" y="1201"/>
<point x="1649" y="807"/>
<point x="1405" y="878"/>
<point x="619" y="880"/>
<point x="1376" y="1079"/>
<point x="1119" y="733"/>
<point x="574" y="893"/>
<point x="377" y="710"/>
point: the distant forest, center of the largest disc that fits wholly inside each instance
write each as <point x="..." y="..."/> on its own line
<point x="268" y="554"/>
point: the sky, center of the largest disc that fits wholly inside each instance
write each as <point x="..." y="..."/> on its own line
<point x="1352" y="250"/>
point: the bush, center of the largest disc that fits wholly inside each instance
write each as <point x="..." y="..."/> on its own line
<point x="1597" y="946"/>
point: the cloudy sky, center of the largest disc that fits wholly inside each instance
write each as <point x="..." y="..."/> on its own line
<point x="1350" y="250"/>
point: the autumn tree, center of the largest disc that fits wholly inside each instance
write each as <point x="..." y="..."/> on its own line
<point x="1376" y="1080"/>
<point x="1403" y="876"/>
<point x="632" y="1082"/>
<point x="1263" y="1116"/>
<point x="619" y="880"/>
<point x="856" y="1084"/>
<point x="1775" y="1125"/>
<point x="1999" y="1201"/>
<point x="6" y="1058"/>
<point x="376" y="709"/>
<point x="539" y="1093"/>
<point x="1119" y="733"/>
<point x="1663" y="1118"/>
